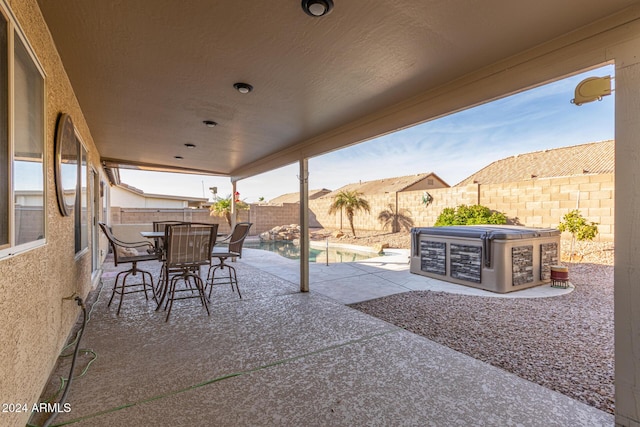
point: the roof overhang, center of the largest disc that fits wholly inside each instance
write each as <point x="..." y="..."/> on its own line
<point x="148" y="74"/>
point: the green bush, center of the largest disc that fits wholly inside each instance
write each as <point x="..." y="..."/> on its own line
<point x="577" y="225"/>
<point x="581" y="230"/>
<point x="470" y="215"/>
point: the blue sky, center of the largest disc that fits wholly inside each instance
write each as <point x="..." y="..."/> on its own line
<point x="452" y="147"/>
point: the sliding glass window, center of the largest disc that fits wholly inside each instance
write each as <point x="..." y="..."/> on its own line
<point x="22" y="177"/>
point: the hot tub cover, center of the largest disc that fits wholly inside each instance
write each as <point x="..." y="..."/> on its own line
<point x="485" y="233"/>
<point x="491" y="232"/>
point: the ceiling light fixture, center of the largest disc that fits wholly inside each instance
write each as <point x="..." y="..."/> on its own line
<point x="243" y="87"/>
<point x="189" y="145"/>
<point x="178" y="157"/>
<point x="210" y="123"/>
<point x="317" y="8"/>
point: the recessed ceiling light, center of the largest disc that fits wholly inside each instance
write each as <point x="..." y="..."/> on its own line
<point x="210" y="123"/>
<point x="178" y="157"/>
<point x="189" y="145"/>
<point x="243" y="87"/>
<point x="317" y="8"/>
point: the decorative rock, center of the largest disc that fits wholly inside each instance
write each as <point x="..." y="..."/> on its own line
<point x="380" y="247"/>
<point x="281" y="232"/>
<point x="338" y="234"/>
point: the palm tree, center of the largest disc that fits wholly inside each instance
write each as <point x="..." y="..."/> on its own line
<point x="351" y="202"/>
<point x="222" y="207"/>
<point x="396" y="220"/>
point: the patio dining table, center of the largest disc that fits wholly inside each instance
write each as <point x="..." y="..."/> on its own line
<point x="161" y="288"/>
<point x="160" y="234"/>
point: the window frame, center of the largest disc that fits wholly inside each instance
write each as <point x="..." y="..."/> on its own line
<point x="82" y="201"/>
<point x="15" y="31"/>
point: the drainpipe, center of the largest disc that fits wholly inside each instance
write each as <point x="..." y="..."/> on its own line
<point x="304" y="225"/>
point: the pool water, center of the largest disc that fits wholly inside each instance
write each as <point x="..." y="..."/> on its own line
<point x="292" y="251"/>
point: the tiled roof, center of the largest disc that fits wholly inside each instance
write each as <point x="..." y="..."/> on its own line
<point x="592" y="158"/>
<point x="295" y="197"/>
<point x="386" y="185"/>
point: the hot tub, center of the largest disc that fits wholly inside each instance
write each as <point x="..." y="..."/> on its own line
<point x="491" y="257"/>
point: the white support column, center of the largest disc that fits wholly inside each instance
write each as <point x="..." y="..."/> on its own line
<point x="627" y="234"/>
<point x="304" y="225"/>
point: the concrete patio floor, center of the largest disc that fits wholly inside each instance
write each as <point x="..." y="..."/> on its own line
<point x="279" y="357"/>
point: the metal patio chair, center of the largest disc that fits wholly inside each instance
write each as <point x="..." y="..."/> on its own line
<point x="188" y="246"/>
<point x="161" y="226"/>
<point x="233" y="249"/>
<point x="129" y="253"/>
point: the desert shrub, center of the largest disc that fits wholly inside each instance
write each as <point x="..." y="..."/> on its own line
<point x="470" y="215"/>
<point x="581" y="230"/>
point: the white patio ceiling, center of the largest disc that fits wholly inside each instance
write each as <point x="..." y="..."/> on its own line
<point x="147" y="73"/>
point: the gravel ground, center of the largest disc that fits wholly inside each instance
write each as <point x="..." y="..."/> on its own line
<point x="563" y="343"/>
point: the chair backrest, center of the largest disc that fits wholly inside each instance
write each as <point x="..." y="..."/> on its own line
<point x="239" y="233"/>
<point x="189" y="244"/>
<point x="124" y="252"/>
<point x="110" y="237"/>
<point x="162" y="226"/>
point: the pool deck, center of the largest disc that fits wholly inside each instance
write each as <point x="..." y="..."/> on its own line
<point x="372" y="278"/>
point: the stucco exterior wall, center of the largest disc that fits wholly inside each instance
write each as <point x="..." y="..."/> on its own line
<point x="34" y="317"/>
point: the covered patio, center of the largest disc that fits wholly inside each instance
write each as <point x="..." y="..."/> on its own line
<point x="235" y="89"/>
<point x="281" y="357"/>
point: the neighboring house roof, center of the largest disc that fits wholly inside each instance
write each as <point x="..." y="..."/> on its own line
<point x="139" y="192"/>
<point x="592" y="158"/>
<point x="295" y="197"/>
<point x="393" y="185"/>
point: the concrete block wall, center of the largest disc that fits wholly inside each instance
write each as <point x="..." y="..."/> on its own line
<point x="533" y="203"/>
<point x="265" y="217"/>
<point x="543" y="202"/>
<point x="28" y="222"/>
<point x="319" y="209"/>
<point x="149" y="215"/>
<point x="426" y="216"/>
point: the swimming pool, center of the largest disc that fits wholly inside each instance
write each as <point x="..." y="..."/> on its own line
<point x="316" y="254"/>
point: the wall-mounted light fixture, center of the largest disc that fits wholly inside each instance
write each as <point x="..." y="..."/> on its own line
<point x="243" y="87"/>
<point x="592" y="89"/>
<point x="317" y="8"/>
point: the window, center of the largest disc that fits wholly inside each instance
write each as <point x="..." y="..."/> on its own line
<point x="22" y="198"/>
<point x="4" y="136"/>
